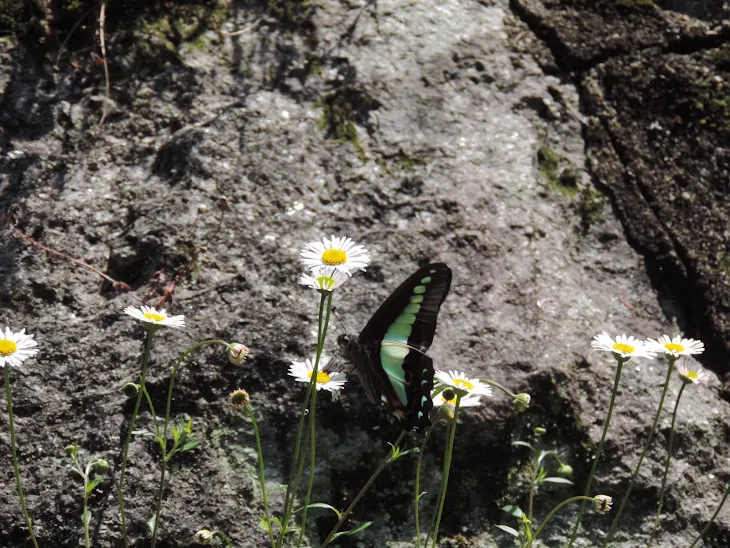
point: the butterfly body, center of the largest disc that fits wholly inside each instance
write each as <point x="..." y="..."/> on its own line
<point x="389" y="356"/>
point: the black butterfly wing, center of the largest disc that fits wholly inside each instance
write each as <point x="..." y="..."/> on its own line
<point x="391" y="359"/>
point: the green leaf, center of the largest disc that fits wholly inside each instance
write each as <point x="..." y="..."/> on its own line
<point x="86" y="517"/>
<point x="508" y="529"/>
<point x="175" y="434"/>
<point x="354" y="531"/>
<point x="523" y="444"/>
<point x="143" y="433"/>
<point x="514" y="511"/>
<point x="321" y="505"/>
<point x="282" y="487"/>
<point x="151" y="524"/>
<point x="92" y="484"/>
<point x="558" y="480"/>
<point x="189" y="445"/>
<point x="265" y="525"/>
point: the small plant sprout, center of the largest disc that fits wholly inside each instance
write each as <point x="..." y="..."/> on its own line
<point x="324" y="278"/>
<point x="15" y="348"/>
<point x="327" y="260"/>
<point x="452" y="386"/>
<point x="97" y="466"/>
<point x="395" y="453"/>
<point x="673" y="349"/>
<point x="601" y="504"/>
<point x="237" y="353"/>
<point x="153" y="320"/>
<point x="538" y="476"/>
<point x="340" y="253"/>
<point x="240" y="400"/>
<point x="622" y="348"/>
<point x="689" y="376"/>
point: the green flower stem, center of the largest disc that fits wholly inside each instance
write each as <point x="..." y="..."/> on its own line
<point x="262" y="479"/>
<point x="85" y="475"/>
<point x="614" y="524"/>
<point x="163" y="444"/>
<point x="712" y="519"/>
<point x="533" y="487"/>
<point x="620" y="363"/>
<point x="498" y="386"/>
<point x="554" y="511"/>
<point x="132" y="421"/>
<point x="447" y="469"/>
<point x="666" y="467"/>
<point x="322" y="335"/>
<point x="225" y="538"/>
<point x="418" y="480"/>
<point x="18" y="483"/>
<point x="298" y="461"/>
<point x="362" y="492"/>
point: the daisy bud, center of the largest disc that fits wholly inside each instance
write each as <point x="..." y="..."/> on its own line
<point x="238" y="398"/>
<point x="521" y="402"/>
<point x="602" y="504"/>
<point x="447" y="411"/>
<point x="130" y="389"/>
<point x="237" y="353"/>
<point x="565" y="470"/>
<point x="203" y="537"/>
<point x="71" y="450"/>
<point x="101" y="466"/>
<point x="539" y="431"/>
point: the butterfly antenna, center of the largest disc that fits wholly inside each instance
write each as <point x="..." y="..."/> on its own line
<point x="342" y="325"/>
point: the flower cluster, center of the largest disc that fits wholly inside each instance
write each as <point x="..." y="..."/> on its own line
<point x="625" y="348"/>
<point x="331" y="262"/>
<point x="629" y="347"/>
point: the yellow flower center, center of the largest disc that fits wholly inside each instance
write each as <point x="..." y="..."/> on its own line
<point x="673" y="347"/>
<point x="466" y="385"/>
<point x="325" y="282"/>
<point x="7" y="347"/>
<point x="625" y="348"/>
<point x="691" y="375"/>
<point x="334" y="257"/>
<point x="322" y="377"/>
<point x="153" y="317"/>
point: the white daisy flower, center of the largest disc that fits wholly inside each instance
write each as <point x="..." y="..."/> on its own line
<point x="340" y="253"/>
<point x="324" y="278"/>
<point x="470" y="400"/>
<point x="676" y="346"/>
<point x="691" y="375"/>
<point x="466" y="386"/>
<point x="622" y="346"/>
<point x="15" y="348"/>
<point x="153" y="318"/>
<point x="302" y="371"/>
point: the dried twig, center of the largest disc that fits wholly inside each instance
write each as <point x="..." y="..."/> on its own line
<point x="119" y="286"/>
<point x="102" y="39"/>
<point x="73" y="29"/>
<point x="244" y="30"/>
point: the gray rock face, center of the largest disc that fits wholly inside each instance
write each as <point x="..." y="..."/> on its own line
<point x="567" y="159"/>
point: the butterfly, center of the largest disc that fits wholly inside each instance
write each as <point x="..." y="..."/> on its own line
<point x="389" y="356"/>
